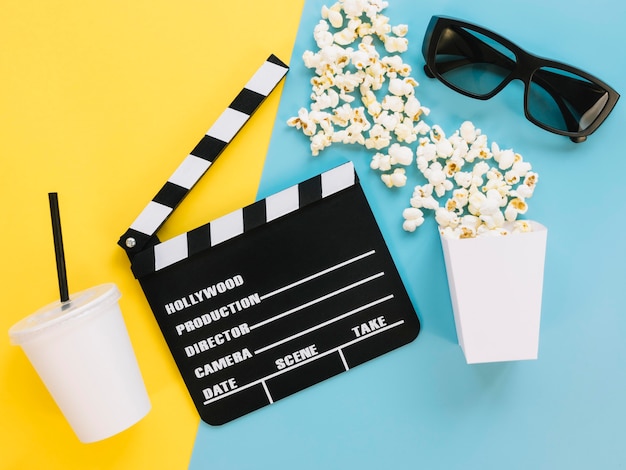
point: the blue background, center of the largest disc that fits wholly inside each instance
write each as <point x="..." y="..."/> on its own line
<point x="422" y="406"/>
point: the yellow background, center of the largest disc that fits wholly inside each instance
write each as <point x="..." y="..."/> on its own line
<point x="100" y="101"/>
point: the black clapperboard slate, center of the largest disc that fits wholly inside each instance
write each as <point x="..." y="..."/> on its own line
<point x="276" y="296"/>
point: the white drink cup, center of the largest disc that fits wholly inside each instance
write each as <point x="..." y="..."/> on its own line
<point x="82" y="352"/>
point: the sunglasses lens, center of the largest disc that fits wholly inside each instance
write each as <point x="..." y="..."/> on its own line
<point x="564" y="100"/>
<point x="471" y="62"/>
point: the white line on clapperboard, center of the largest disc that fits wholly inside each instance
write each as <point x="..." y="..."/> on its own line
<point x="322" y="325"/>
<point x="315" y="301"/>
<point x="324" y="297"/>
<point x="321" y="273"/>
<point x="282" y="315"/>
<point x="295" y="366"/>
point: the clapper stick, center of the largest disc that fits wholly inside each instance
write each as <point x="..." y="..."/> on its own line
<point x="142" y="231"/>
<point x="153" y="259"/>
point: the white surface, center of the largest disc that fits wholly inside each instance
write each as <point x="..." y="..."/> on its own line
<point x="496" y="287"/>
<point x="88" y="365"/>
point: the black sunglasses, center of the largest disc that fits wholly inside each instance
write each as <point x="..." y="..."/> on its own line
<point x="478" y="63"/>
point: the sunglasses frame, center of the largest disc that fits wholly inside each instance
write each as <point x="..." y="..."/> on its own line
<point x="526" y="64"/>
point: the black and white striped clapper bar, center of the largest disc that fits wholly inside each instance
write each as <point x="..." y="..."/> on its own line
<point x="142" y="231"/>
<point x="274" y="297"/>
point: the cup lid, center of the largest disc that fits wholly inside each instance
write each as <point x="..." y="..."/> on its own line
<point x="59" y="313"/>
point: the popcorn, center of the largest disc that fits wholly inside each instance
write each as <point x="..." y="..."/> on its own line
<point x="522" y="226"/>
<point x="468" y="132"/>
<point x="380" y="161"/>
<point x="413" y="108"/>
<point x="460" y="198"/>
<point x="495" y="181"/>
<point x="524" y="191"/>
<point x="322" y="36"/>
<point x="333" y="15"/>
<point x="400" y="30"/>
<point x="530" y="179"/>
<point x="388" y="120"/>
<point x="319" y="142"/>
<point x="400" y="87"/>
<point x="341" y="115"/>
<point x="395" y="179"/>
<point x="302" y="121"/>
<point x="519" y="205"/>
<point x="393" y="103"/>
<point x="481" y="168"/>
<point x="520" y="167"/>
<point x="444" y="148"/>
<point x="311" y="60"/>
<point x="395" y="66"/>
<point x="362" y="94"/>
<point x="347" y="35"/>
<point x="349" y="68"/>
<point x="423" y="197"/>
<point x="413" y="218"/>
<point x="437" y="178"/>
<point x="427" y="152"/>
<point x="348" y="82"/>
<point x="361" y="59"/>
<point x="453" y="165"/>
<point x="381" y="26"/>
<point x="463" y="179"/>
<point x="505" y="158"/>
<point x="396" y="44"/>
<point x="379" y="138"/>
<point x="400" y="155"/>
<point x="328" y="99"/>
<point x="446" y="218"/>
<point x="490" y="186"/>
<point x="405" y="131"/>
<point x="354" y="8"/>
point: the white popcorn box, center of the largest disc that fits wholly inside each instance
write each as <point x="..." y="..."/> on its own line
<point x="496" y="286"/>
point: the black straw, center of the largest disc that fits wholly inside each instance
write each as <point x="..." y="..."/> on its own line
<point x="58" y="246"/>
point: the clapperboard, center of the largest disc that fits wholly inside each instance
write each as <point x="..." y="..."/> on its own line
<point x="276" y="296"/>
